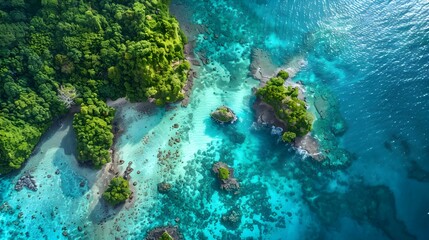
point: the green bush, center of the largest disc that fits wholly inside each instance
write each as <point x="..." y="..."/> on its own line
<point x="117" y="192"/>
<point x="283" y="74"/>
<point x="223" y="173"/>
<point x="288" y="137"/>
<point x="166" y="236"/>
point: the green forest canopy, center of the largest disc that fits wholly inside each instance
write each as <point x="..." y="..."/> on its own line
<point x="93" y="49"/>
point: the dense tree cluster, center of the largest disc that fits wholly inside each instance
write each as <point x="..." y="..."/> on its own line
<point x="94" y="132"/>
<point x="118" y="191"/>
<point x="223" y="173"/>
<point x="288" y="108"/>
<point x="54" y="54"/>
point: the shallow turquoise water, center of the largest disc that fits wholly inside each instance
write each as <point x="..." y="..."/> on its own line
<point x="371" y="57"/>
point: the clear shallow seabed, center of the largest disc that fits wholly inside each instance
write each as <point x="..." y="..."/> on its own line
<point x="370" y="59"/>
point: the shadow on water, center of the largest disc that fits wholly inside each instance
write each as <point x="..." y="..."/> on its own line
<point x="57" y="126"/>
<point x="399" y="144"/>
<point x="416" y="172"/>
<point x="68" y="143"/>
<point x="103" y="212"/>
<point x="72" y="184"/>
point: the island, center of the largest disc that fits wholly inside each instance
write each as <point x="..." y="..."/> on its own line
<point x="225" y="175"/>
<point x="289" y="110"/>
<point x="223" y="114"/>
<point x="84" y="53"/>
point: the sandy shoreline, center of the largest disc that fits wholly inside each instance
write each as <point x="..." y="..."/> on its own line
<point x="114" y="167"/>
<point x="117" y="166"/>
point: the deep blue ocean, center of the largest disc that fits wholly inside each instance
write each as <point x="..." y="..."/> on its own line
<point x="365" y="62"/>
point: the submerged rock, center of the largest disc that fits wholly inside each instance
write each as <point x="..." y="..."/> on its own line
<point x="225" y="175"/>
<point x="261" y="66"/>
<point x="235" y="136"/>
<point x="164" y="187"/>
<point x="231" y="219"/>
<point x="223" y="114"/>
<point x="339" y="128"/>
<point x="415" y="171"/>
<point x="372" y="204"/>
<point x="338" y="158"/>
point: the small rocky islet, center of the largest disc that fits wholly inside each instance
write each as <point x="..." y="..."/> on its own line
<point x="278" y="98"/>
<point x="28" y="181"/>
<point x="225" y="175"/>
<point x="223" y="114"/>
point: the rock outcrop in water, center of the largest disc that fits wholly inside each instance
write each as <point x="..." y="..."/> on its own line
<point x="287" y="107"/>
<point x="28" y="181"/>
<point x="267" y="115"/>
<point x="225" y="175"/>
<point x="128" y="171"/>
<point x="330" y="125"/>
<point x="223" y="114"/>
<point x="311" y="146"/>
<point x="164" y="233"/>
